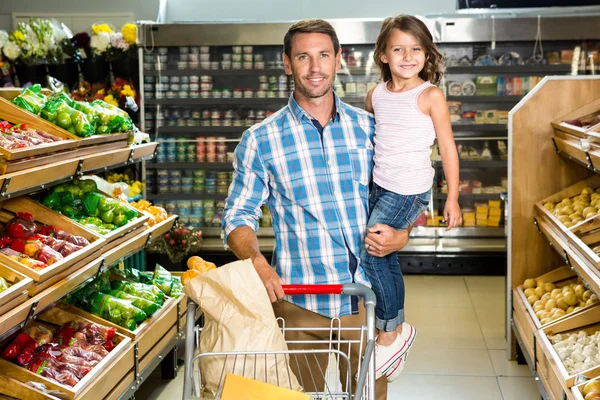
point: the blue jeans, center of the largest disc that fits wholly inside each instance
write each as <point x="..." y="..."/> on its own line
<point x="400" y="212"/>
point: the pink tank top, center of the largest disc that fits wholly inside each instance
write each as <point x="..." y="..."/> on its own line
<point x="403" y="140"/>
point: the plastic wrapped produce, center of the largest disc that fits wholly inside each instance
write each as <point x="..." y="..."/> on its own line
<point x="23" y="259"/>
<point x="18" y="345"/>
<point x="20" y="227"/>
<point x="31" y="99"/>
<point x="39" y="251"/>
<point x="111" y="119"/>
<point x="59" y="112"/>
<point x="99" y="349"/>
<point x="39" y="333"/>
<point x="118" y="311"/>
<point x="163" y="280"/>
<point x="145" y="305"/>
<point x="143" y="290"/>
<point x="90" y="332"/>
<point x="66" y="374"/>
<point x="3" y="284"/>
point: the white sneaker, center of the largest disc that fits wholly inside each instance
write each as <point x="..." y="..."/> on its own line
<point x="387" y="356"/>
<point x="409" y="334"/>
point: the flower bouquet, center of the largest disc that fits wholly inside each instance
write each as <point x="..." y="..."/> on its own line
<point x="177" y="243"/>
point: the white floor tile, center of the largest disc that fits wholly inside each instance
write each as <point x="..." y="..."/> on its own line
<point x="503" y="367"/>
<point x="428" y="361"/>
<point x="427" y="387"/>
<point x="518" y="388"/>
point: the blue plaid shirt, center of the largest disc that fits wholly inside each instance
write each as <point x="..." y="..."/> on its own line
<point x="316" y="186"/>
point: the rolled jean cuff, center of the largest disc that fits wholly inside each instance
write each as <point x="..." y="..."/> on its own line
<point x="400" y="317"/>
<point x="387" y="325"/>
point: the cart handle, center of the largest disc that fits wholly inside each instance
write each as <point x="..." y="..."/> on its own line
<point x="294" y="290"/>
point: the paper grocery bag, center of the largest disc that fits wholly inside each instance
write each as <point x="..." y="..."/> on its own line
<point x="238" y="316"/>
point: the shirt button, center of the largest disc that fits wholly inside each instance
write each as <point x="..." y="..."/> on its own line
<point x="329" y="163"/>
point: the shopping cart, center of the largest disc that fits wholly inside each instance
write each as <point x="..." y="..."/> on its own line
<point x="237" y="361"/>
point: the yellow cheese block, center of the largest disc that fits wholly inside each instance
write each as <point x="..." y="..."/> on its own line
<point x="494" y="203"/>
<point x="240" y="388"/>
<point x="482" y="216"/>
<point x="493" y="223"/>
<point x="482" y="209"/>
<point x="468" y="215"/>
<point x="469" y="223"/>
<point x="482" y="222"/>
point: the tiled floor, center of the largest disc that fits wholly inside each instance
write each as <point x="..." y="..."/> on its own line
<point x="460" y="351"/>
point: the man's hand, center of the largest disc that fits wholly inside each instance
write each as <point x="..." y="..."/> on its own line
<point x="382" y="240"/>
<point x="269" y="278"/>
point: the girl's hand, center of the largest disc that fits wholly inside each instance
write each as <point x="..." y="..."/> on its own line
<point x="452" y="214"/>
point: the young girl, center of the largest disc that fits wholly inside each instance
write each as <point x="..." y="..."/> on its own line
<point x="410" y="112"/>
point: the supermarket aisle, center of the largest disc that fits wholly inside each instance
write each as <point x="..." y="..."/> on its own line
<point x="460" y="349"/>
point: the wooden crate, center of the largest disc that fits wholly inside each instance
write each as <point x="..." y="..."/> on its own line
<point x="46" y="216"/>
<point x="548" y="362"/>
<point x="147" y="333"/>
<point x="13" y="296"/>
<point x="577" y="391"/>
<point x="587" y="114"/>
<point x="20" y="390"/>
<point x="11" y="112"/>
<point x="588" y="154"/>
<point x="99" y="380"/>
<point x="523" y="315"/>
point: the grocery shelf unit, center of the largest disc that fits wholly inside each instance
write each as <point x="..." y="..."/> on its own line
<point x="536" y="246"/>
<point x="123" y="374"/>
<point x="432" y="250"/>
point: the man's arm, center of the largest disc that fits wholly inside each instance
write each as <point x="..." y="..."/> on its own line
<point x="248" y="192"/>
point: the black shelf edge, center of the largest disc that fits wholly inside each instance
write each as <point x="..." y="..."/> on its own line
<point x="202" y="129"/>
<point x="531" y="70"/>
<point x="485" y="99"/>
<point x="479" y="164"/>
<point x="186" y="196"/>
<point x="483" y="196"/>
<point x="473" y="127"/>
<point x="216" y="72"/>
<point x="190" y="165"/>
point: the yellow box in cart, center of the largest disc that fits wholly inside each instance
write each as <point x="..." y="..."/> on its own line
<point x="240" y="388"/>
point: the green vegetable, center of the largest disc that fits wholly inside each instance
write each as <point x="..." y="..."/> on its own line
<point x="163" y="279"/>
<point x="52" y="200"/>
<point x="120" y="220"/>
<point x="119" y="208"/>
<point x="107" y="216"/>
<point x="148" y="292"/>
<point x="75" y="191"/>
<point x="4" y="285"/>
<point x="31" y="99"/>
<point x="60" y="110"/>
<point x="130" y="214"/>
<point x="77" y="205"/>
<point x="66" y="198"/>
<point x="90" y="202"/>
<point x="111" y="117"/>
<point x="68" y="211"/>
<point x="59" y="188"/>
<point x="104" y="205"/>
<point x="110" y="227"/>
<point x="87" y="185"/>
<point x="104" y="305"/>
<point x="145" y="305"/>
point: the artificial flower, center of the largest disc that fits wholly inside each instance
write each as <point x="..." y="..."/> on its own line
<point x="129" y="32"/>
<point x="128" y="91"/>
<point x="101" y="28"/>
<point x="117" y="41"/>
<point x="111" y="100"/>
<point x="81" y="40"/>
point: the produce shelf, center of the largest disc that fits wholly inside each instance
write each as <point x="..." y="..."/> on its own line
<point x="186" y="196"/>
<point x="216" y="72"/>
<point x="191" y="165"/>
<point x="523" y="70"/>
<point x="486" y="99"/>
<point x="202" y="130"/>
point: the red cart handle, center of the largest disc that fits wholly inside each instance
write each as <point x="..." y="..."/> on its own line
<point x="312" y="289"/>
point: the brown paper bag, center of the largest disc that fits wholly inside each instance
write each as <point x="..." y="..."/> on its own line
<point x="238" y="316"/>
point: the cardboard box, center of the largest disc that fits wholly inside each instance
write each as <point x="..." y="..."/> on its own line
<point x="486" y="85"/>
<point x="238" y="388"/>
<point x="502" y="117"/>
<point x="491" y="117"/>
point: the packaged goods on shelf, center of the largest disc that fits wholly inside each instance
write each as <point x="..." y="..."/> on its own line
<point x="20" y="136"/>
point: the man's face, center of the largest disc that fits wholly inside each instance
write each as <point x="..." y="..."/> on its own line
<point x="313" y="64"/>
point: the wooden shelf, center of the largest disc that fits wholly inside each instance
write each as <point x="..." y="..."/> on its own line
<point x="31" y="180"/>
<point x="191" y="165"/>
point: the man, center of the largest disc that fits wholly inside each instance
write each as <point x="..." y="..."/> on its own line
<point x="311" y="163"/>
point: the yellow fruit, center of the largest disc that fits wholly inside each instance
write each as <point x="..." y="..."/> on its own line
<point x="538" y="308"/>
<point x="549" y="305"/>
<point x="529" y="284"/>
<point x="540" y="283"/>
<point x="539" y="291"/>
<point x="529" y="292"/>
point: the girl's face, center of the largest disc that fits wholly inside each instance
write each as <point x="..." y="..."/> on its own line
<point x="404" y="54"/>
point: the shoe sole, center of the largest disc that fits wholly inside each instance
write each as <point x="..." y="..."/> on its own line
<point x="395" y="373"/>
<point x="398" y="355"/>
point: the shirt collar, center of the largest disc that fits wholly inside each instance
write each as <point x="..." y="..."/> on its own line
<point x="299" y="112"/>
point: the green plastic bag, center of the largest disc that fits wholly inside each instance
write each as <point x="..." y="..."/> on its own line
<point x="116" y="310"/>
<point x="148" y="292"/>
<point x="145" y="305"/>
<point x="163" y="280"/>
<point x="59" y="111"/>
<point x="31" y="99"/>
<point x="134" y="275"/>
<point x="111" y="119"/>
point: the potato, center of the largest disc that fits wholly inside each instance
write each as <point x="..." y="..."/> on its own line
<point x="529" y="292"/>
<point x="546" y="297"/>
<point x="569" y="224"/>
<point x="541" y="314"/>
<point x="555" y="292"/>
<point x="589" y="302"/>
<point x="539" y="307"/>
<point x="589" y="210"/>
<point x="549" y="305"/>
<point x="560" y="312"/>
<point x="532" y="299"/>
<point x="579" y="207"/>
<point x="562" y="304"/>
<point x="576" y="215"/>
<point x="539" y="291"/>
<point x="529" y="284"/>
<point x="568" y="210"/>
<point x="576" y="309"/>
<point x="570" y="299"/>
<point x="564" y="219"/>
<point x="587" y="295"/>
<point x="592" y="386"/>
<point x="544" y="321"/>
<point x="570" y="309"/>
<point x="549" y="206"/>
<point x="566" y="202"/>
<point x="579" y="289"/>
<point x="587" y="190"/>
<point x="575" y="221"/>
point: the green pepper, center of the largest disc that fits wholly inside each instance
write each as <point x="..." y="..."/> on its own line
<point x="74" y="190"/>
<point x="130" y="214"/>
<point x="90" y="203"/>
<point x="52" y="200"/>
<point x="120" y="220"/>
<point x="109" y="227"/>
<point x="66" y="198"/>
<point x="119" y="208"/>
<point x="107" y="216"/>
<point x="94" y="221"/>
<point x="77" y="207"/>
<point x="87" y="185"/>
<point x="104" y="204"/>
<point x="68" y="211"/>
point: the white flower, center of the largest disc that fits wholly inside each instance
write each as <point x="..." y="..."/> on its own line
<point x="100" y="42"/>
<point x="117" y="41"/>
<point x="3" y="38"/>
<point x="11" y="50"/>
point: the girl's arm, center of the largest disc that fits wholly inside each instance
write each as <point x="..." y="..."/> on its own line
<point x="369" y="102"/>
<point x="438" y="110"/>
